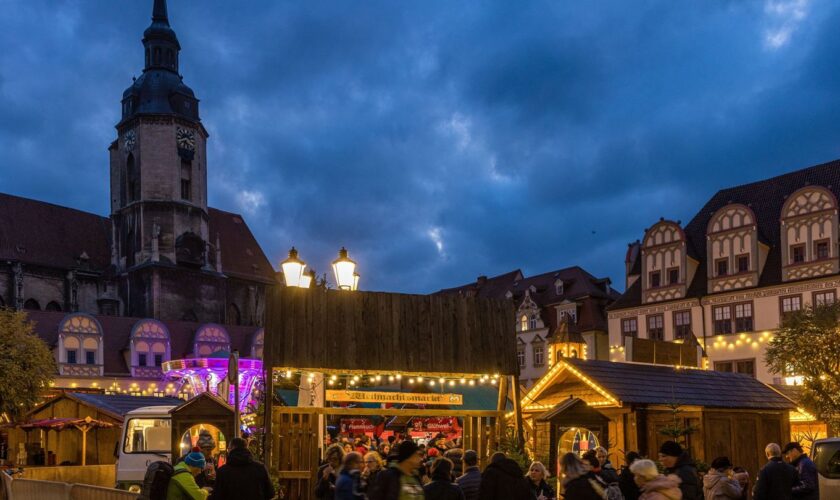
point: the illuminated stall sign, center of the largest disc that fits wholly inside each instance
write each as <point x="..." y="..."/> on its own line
<point x="395" y="397"/>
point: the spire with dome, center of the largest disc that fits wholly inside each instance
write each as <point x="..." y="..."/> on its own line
<point x="160" y="89"/>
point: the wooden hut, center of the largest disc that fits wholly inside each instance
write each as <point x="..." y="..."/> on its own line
<point x="579" y="404"/>
<point x="333" y="343"/>
<point x="205" y="409"/>
<point x="53" y="448"/>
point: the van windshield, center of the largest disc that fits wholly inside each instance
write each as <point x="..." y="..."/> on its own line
<point x="827" y="459"/>
<point x="148" y="435"/>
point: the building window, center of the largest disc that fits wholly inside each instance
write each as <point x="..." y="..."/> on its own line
<point x="745" y="366"/>
<point x="141" y="359"/>
<point x="629" y="327"/>
<point x="821" y="249"/>
<point x="558" y="287"/>
<point x="655" y="327"/>
<point x="673" y="275"/>
<point x="797" y="254"/>
<point x="186" y="180"/>
<point x="655" y="279"/>
<point x="71" y="357"/>
<point x="722" y="267"/>
<point x="532" y="323"/>
<point x="520" y="355"/>
<point x="682" y="324"/>
<point x="743" y="263"/>
<point x="722" y="318"/>
<point x="571" y="314"/>
<point x="539" y="355"/>
<point x="523" y="323"/>
<point x="158" y="360"/>
<point x="790" y="304"/>
<point x="744" y="317"/>
<point x="824" y="298"/>
<point x="90" y="357"/>
<point x="32" y="305"/>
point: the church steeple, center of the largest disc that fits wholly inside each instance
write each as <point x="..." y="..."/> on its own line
<point x="159" y="39"/>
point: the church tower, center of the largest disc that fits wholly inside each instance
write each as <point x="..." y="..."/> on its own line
<point x="158" y="174"/>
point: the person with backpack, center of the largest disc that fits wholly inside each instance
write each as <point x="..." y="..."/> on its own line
<point x="242" y="476"/>
<point x="608" y="479"/>
<point x="399" y="481"/>
<point x="677" y="462"/>
<point x="580" y="483"/>
<point x="182" y="485"/>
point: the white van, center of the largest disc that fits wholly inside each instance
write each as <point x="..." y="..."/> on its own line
<point x="146" y="438"/>
<point x="826" y="456"/>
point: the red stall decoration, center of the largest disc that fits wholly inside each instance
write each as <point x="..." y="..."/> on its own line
<point x="356" y="426"/>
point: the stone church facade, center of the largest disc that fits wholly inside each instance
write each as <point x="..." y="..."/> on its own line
<point x="163" y="253"/>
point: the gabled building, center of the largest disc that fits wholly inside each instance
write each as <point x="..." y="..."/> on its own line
<point x="559" y="313"/>
<point x="750" y="255"/>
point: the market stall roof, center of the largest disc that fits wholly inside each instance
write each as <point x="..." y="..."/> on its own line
<point x="112" y="405"/>
<point x="620" y="384"/>
<point x="59" y="424"/>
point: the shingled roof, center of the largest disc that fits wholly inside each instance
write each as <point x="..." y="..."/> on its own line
<point x="637" y="383"/>
<point x="40" y="233"/>
<point x="765" y="198"/>
<point x="120" y="404"/>
<point x="36" y="232"/>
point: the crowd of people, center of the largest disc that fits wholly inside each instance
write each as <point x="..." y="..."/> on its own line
<point x="409" y="471"/>
<point x="405" y="470"/>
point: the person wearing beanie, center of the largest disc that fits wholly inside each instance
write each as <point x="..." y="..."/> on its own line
<point x="503" y="479"/>
<point x="677" y="462"/>
<point x="400" y="481"/>
<point x="441" y="487"/>
<point x="718" y="483"/>
<point x="182" y="485"/>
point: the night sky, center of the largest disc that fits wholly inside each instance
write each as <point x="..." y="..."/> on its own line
<point x="438" y="141"/>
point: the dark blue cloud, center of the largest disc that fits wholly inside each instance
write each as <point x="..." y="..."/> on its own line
<point x="438" y="140"/>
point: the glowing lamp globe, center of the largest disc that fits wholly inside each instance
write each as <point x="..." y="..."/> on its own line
<point x="344" y="268"/>
<point x="293" y="268"/>
<point x="307" y="279"/>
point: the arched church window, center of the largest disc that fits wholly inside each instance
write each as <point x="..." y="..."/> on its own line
<point x="233" y="316"/>
<point x="186" y="180"/>
<point x="157" y="56"/>
<point x="148" y="57"/>
<point x="523" y="323"/>
<point x="257" y="344"/>
<point x="133" y="177"/>
<point x="170" y="57"/>
<point x="189" y="316"/>
<point x="53" y="306"/>
<point x="32" y="305"/>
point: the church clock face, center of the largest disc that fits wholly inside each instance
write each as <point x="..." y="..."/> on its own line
<point x="129" y="140"/>
<point x="185" y="139"/>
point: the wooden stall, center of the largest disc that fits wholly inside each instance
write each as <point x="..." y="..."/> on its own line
<point x="48" y="447"/>
<point x="205" y="410"/>
<point x="579" y="404"/>
<point x="419" y="346"/>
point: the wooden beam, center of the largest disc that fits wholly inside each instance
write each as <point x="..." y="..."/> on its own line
<point x="385" y="373"/>
<point x="517" y="410"/>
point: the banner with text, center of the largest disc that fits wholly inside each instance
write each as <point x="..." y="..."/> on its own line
<point x="395" y="397"/>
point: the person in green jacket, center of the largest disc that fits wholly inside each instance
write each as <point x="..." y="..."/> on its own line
<point x="182" y="486"/>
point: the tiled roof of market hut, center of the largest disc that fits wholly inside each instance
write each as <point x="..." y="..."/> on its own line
<point x="637" y="383"/>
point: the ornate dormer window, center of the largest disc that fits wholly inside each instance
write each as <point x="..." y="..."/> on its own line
<point x="809" y="226"/>
<point x="529" y="314"/>
<point x="210" y="338"/>
<point x="558" y="287"/>
<point x="149" y="348"/>
<point x="733" y="250"/>
<point x="257" y="344"/>
<point x="80" y="350"/>
<point x="666" y="266"/>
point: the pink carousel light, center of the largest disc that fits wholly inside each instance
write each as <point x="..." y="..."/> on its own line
<point x="209" y="375"/>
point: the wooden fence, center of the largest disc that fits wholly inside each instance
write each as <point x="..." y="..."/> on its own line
<point x="315" y="328"/>
<point x="28" y="489"/>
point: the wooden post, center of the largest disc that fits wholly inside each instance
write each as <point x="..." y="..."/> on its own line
<point x="517" y="410"/>
<point x="84" y="430"/>
<point x="501" y="425"/>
